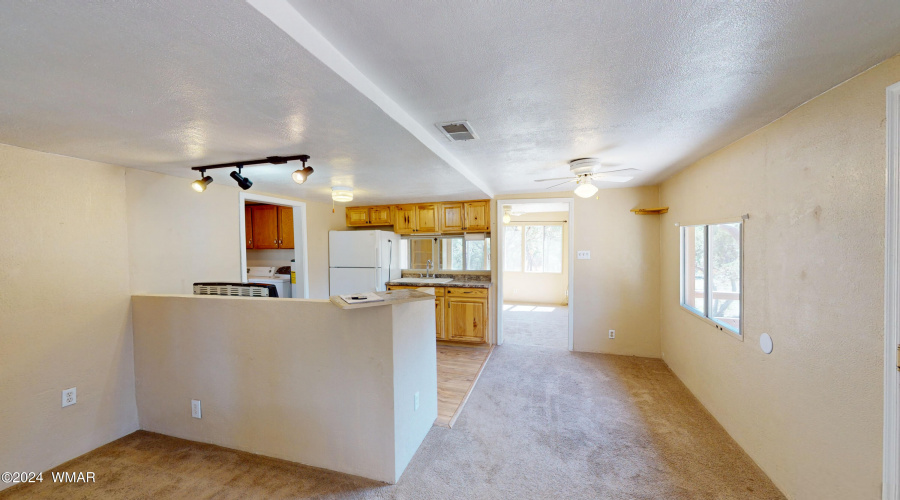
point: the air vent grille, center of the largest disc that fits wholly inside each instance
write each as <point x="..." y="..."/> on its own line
<point x="457" y="131"/>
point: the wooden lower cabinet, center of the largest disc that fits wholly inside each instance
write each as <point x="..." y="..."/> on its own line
<point x="466" y="319"/>
<point x="439" y="318"/>
<point x="461" y="314"/>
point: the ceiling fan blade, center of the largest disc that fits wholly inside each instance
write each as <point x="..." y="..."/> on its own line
<point x="625" y="169"/>
<point x="613" y="178"/>
<point x="555" y="179"/>
<point x="561" y="183"/>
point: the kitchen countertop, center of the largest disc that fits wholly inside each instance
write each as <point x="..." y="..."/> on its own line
<point x="391" y="297"/>
<point x="452" y="284"/>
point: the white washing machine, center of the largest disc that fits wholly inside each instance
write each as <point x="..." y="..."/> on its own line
<point x="267" y="275"/>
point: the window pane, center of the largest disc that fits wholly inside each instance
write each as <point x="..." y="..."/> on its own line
<point x="512" y="260"/>
<point x="534" y="249"/>
<point x="553" y="249"/>
<point x="420" y="251"/>
<point x="404" y="253"/>
<point x="725" y="274"/>
<point x="694" y="280"/>
<point x="451" y="254"/>
<point x="478" y="255"/>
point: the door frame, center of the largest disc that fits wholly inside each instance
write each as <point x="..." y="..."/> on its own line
<point x="571" y="261"/>
<point x="301" y="252"/>
<point x="891" y="461"/>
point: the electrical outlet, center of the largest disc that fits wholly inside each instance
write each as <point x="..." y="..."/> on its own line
<point x="584" y="255"/>
<point x="612" y="334"/>
<point x="68" y="397"/>
<point x="195" y="408"/>
<point x="416" y="401"/>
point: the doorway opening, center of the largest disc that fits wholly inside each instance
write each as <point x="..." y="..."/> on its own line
<point x="273" y="243"/>
<point x="535" y="275"/>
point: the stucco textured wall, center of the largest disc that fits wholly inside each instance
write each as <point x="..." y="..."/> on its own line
<point x="810" y="413"/>
<point x="64" y="309"/>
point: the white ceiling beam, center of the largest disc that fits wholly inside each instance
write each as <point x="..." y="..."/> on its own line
<point x="286" y="17"/>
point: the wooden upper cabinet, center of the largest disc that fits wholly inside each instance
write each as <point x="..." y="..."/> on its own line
<point x="452" y="217"/>
<point x="285" y="227"/>
<point x="265" y="226"/>
<point x="405" y="219"/>
<point x="380" y="216"/>
<point x="427" y="218"/>
<point x="248" y="225"/>
<point x="369" y="216"/>
<point x="477" y="216"/>
<point x="357" y="216"/>
<point x="440" y="217"/>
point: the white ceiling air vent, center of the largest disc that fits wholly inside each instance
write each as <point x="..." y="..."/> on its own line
<point x="457" y="131"/>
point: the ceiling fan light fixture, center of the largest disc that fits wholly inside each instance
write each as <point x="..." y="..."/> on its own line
<point x="341" y="194"/>
<point x="585" y="187"/>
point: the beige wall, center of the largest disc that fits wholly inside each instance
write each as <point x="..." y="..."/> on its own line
<point x="810" y="413"/>
<point x="178" y="237"/>
<point x="313" y="384"/>
<point x="64" y="309"/>
<point x="619" y="287"/>
<point x="540" y="288"/>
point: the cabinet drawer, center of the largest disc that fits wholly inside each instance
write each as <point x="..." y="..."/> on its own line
<point x="438" y="290"/>
<point x="467" y="292"/>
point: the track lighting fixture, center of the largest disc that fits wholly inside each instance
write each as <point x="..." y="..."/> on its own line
<point x="299" y="176"/>
<point x="242" y="181"/>
<point x="200" y="185"/>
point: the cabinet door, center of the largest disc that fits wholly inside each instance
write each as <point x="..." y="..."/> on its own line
<point x="248" y="225"/>
<point x="477" y="216"/>
<point x="405" y="219"/>
<point x="265" y="226"/>
<point x="357" y="216"/>
<point x="466" y="319"/>
<point x="285" y="227"/>
<point x="439" y="318"/>
<point x="380" y="216"/>
<point x="427" y="218"/>
<point x="451" y="217"/>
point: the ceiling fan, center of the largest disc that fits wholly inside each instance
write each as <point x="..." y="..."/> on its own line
<point x="584" y="175"/>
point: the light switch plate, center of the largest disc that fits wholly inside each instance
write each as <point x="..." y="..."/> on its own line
<point x="584" y="255"/>
<point x="195" y="408"/>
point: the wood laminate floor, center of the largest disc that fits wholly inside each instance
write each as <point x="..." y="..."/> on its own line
<point x="458" y="369"/>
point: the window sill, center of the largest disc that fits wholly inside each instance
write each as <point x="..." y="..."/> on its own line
<point x="730" y="332"/>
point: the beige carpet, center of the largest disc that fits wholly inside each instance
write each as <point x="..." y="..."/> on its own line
<point x="536" y="324"/>
<point x="541" y="423"/>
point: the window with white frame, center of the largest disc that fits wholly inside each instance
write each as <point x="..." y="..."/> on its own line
<point x="533" y="248"/>
<point x="446" y="253"/>
<point x="711" y="272"/>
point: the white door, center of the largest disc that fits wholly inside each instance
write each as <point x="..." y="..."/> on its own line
<point x="353" y="249"/>
<point x="346" y="280"/>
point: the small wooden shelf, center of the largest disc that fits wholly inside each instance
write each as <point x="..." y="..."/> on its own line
<point x="650" y="211"/>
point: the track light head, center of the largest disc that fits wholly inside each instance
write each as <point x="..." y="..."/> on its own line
<point x="301" y="175"/>
<point x="242" y="181"/>
<point x="200" y="185"/>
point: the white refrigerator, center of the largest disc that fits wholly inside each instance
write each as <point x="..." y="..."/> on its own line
<point x="362" y="261"/>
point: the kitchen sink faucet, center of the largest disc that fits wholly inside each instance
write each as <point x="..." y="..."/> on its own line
<point x="428" y="268"/>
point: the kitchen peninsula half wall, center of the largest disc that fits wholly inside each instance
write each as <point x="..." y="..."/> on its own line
<point x="302" y="380"/>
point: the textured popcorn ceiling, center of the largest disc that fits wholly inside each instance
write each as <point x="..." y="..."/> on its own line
<point x="165" y="85"/>
<point x="645" y="84"/>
